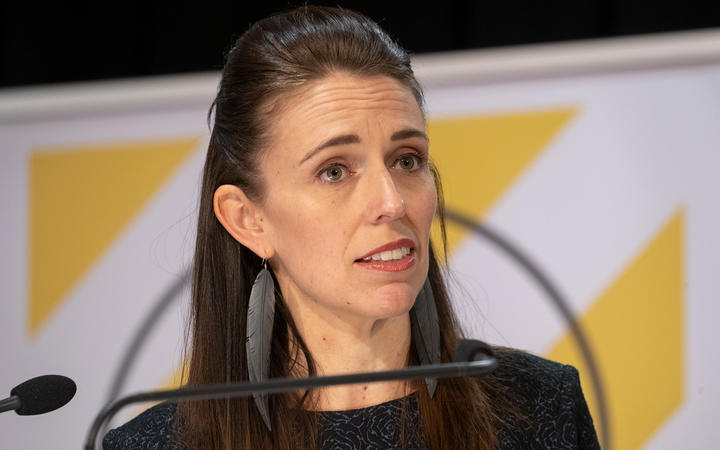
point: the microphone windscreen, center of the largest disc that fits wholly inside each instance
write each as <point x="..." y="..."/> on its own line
<point x="472" y="350"/>
<point x="43" y="394"/>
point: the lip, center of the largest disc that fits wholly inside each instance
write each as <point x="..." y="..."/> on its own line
<point x="397" y="265"/>
<point x="391" y="246"/>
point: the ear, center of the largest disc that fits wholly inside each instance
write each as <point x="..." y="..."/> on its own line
<point x="242" y="219"/>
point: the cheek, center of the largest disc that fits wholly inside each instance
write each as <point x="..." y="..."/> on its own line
<point x="425" y="203"/>
<point x="304" y="230"/>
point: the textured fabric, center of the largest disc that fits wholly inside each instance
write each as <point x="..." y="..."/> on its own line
<point x="376" y="427"/>
<point x="549" y="394"/>
<point x="553" y="401"/>
<point x="149" y="430"/>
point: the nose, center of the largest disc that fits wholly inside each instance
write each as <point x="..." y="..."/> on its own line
<point x="386" y="202"/>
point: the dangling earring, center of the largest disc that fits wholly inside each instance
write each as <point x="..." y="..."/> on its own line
<point x="260" y="318"/>
<point x="425" y="327"/>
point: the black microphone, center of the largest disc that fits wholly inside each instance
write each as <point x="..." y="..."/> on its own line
<point x="472" y="364"/>
<point x="39" y="395"/>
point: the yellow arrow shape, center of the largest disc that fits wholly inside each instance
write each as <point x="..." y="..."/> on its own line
<point x="480" y="157"/>
<point x="80" y="201"/>
<point x="635" y="329"/>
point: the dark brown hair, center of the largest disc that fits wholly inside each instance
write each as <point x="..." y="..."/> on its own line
<point x="274" y="57"/>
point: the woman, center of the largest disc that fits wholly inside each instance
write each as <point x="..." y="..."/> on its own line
<point x="314" y="257"/>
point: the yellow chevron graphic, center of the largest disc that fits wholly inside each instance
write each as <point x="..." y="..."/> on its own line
<point x="479" y="157"/>
<point x="635" y="329"/>
<point x="80" y="201"/>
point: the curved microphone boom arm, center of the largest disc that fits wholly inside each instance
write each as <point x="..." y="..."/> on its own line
<point x="273" y="386"/>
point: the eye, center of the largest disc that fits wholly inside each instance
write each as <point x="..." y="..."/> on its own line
<point x="408" y="162"/>
<point x="333" y="174"/>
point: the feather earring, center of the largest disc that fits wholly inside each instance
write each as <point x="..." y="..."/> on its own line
<point x="260" y="318"/>
<point x="425" y="327"/>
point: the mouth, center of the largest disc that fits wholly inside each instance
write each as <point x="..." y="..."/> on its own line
<point x="391" y="257"/>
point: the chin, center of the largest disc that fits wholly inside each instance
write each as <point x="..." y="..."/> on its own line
<point x="394" y="300"/>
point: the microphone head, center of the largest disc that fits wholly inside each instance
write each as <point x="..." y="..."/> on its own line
<point x="43" y="394"/>
<point x="472" y="350"/>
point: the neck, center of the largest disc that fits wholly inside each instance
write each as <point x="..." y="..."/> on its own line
<point x="349" y="346"/>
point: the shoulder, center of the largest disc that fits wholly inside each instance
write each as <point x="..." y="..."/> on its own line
<point x="551" y="401"/>
<point x="532" y="375"/>
<point x="151" y="429"/>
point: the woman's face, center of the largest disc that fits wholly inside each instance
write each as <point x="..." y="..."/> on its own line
<point x="349" y="198"/>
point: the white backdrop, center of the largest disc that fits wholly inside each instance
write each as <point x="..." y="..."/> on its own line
<point x="598" y="159"/>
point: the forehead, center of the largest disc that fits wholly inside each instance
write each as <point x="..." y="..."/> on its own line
<point x="338" y="101"/>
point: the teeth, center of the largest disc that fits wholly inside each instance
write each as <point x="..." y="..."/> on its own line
<point x="398" y="253"/>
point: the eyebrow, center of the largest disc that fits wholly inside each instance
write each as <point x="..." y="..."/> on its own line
<point x="407" y="134"/>
<point x="346" y="139"/>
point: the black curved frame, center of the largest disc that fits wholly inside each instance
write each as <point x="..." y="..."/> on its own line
<point x="479" y="229"/>
<point x="143" y="332"/>
<point x="558" y="301"/>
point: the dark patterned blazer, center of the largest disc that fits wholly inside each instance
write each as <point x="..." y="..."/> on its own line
<point x="549" y="394"/>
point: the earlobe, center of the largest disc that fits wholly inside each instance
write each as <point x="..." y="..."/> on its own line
<point x="240" y="217"/>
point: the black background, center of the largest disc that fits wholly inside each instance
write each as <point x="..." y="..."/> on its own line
<point x="83" y="40"/>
